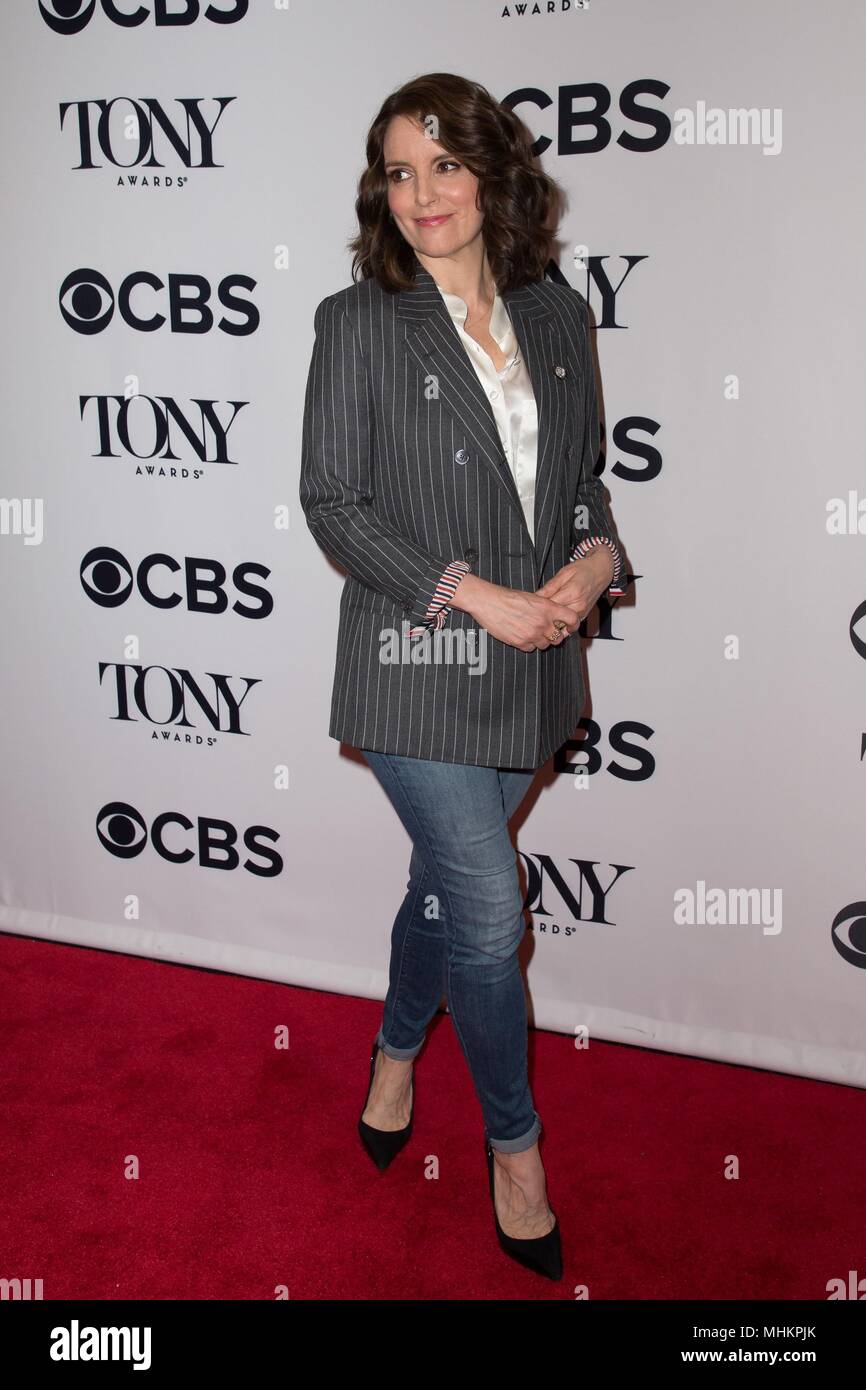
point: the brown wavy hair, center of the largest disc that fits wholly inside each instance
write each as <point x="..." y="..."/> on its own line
<point x="514" y="195"/>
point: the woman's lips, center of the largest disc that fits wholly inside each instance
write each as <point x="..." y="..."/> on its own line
<point x="432" y="221"/>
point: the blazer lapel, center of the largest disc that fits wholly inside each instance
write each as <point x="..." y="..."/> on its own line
<point x="434" y="344"/>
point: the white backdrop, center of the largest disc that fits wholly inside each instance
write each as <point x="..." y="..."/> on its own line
<point x="728" y="689"/>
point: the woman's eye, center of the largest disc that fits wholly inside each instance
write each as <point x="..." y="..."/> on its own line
<point x="393" y="173"/>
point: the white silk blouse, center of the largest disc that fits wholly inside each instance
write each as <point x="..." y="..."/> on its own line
<point x="510" y="393"/>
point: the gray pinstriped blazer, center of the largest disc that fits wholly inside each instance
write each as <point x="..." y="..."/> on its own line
<point x="402" y="471"/>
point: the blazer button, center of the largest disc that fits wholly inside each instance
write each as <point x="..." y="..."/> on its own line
<point x="462" y="456"/>
<point x="470" y="555"/>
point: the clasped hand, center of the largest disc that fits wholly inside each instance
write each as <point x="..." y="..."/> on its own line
<point x="581" y="583"/>
<point x="530" y="621"/>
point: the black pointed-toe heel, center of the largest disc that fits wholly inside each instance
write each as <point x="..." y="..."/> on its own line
<point x="383" y="1145"/>
<point x="543" y="1254"/>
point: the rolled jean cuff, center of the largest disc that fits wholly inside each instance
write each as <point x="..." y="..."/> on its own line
<point x="397" y="1054"/>
<point x="516" y="1146"/>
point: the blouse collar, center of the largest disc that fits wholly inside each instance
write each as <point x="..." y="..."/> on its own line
<point x="500" y="323"/>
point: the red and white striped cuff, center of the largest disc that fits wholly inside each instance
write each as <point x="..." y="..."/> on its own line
<point x="583" y="547"/>
<point x="437" y="608"/>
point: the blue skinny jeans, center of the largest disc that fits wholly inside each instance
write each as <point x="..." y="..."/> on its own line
<point x="458" y="930"/>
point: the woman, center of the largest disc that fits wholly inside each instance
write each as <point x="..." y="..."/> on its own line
<point x="449" y="442"/>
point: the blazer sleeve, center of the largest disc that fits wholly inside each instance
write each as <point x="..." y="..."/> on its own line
<point x="599" y="527"/>
<point x="337" y="484"/>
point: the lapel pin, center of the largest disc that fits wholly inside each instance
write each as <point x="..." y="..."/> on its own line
<point x="560" y="371"/>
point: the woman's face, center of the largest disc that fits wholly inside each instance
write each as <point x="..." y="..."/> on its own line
<point x="424" y="181"/>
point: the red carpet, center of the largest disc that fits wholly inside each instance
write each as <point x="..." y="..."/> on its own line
<point x="252" y="1175"/>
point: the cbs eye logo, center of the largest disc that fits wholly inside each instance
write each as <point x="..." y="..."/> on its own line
<point x="88" y="302"/>
<point x="851" y="943"/>
<point x="122" y="830"/>
<point x="71" y="16"/>
<point x="858" y="639"/>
